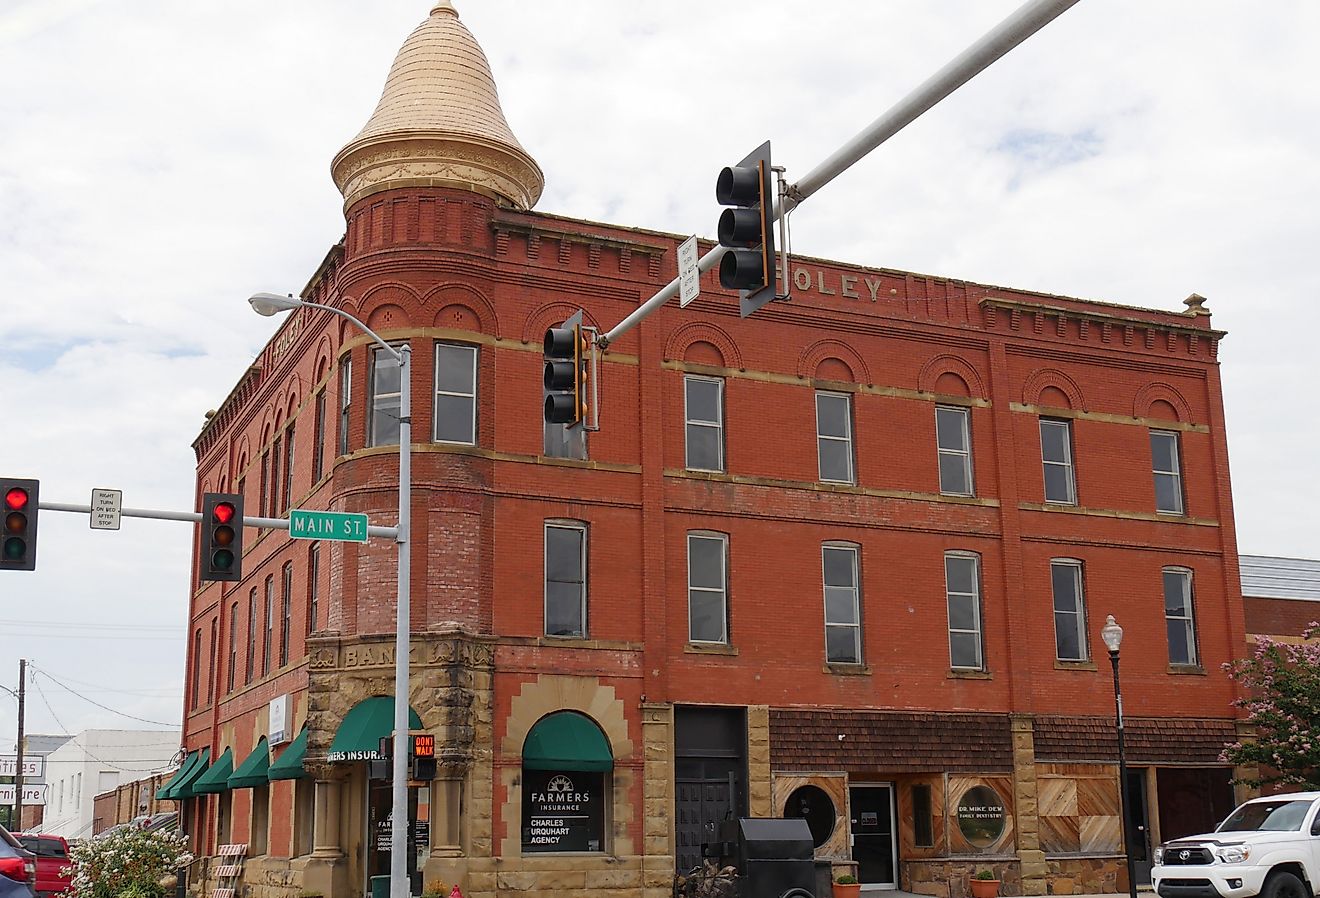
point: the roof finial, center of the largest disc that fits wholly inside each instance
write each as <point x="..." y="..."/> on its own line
<point x="1195" y="305"/>
<point x="444" y="6"/>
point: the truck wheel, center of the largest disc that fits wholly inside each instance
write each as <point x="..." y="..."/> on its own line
<point x="1284" y="885"/>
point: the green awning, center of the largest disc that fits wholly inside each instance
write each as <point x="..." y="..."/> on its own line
<point x="167" y="791"/>
<point x="289" y="765"/>
<point x="252" y="772"/>
<point x="566" y="740"/>
<point x="183" y="788"/>
<point x="358" y="737"/>
<point x="216" y="777"/>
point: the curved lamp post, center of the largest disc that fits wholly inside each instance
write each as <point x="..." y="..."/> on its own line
<point x="269" y="304"/>
<point x="1112" y="635"/>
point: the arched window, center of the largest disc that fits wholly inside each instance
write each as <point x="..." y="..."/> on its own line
<point x="566" y="770"/>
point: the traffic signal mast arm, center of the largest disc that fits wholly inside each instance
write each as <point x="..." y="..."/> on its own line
<point x="196" y="517"/>
<point x="1020" y="25"/>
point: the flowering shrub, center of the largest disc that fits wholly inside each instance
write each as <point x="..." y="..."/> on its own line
<point x="1283" y="704"/>
<point x="128" y="862"/>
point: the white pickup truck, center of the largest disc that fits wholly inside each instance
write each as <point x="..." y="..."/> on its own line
<point x="1268" y="847"/>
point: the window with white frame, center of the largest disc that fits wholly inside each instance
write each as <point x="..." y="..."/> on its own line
<point x="386" y="397"/>
<point x="318" y="437"/>
<point x="703" y="403"/>
<point x="455" y="393"/>
<point x="834" y="448"/>
<point x="962" y="586"/>
<point x="1069" y="610"/>
<point x="708" y="615"/>
<point x="1057" y="459"/>
<point x="843" y="607"/>
<point x="345" y="401"/>
<point x="565" y="578"/>
<point x="1167" y="470"/>
<point x="953" y="441"/>
<point x="1178" y="616"/>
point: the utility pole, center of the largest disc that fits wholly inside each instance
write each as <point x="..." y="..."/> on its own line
<point x="18" y="760"/>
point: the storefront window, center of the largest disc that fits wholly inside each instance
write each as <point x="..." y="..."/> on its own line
<point x="567" y="764"/>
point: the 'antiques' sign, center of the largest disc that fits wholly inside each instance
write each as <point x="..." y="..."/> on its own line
<point x="981" y="816"/>
<point x="563" y="811"/>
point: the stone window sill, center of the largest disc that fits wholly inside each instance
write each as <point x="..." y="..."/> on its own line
<point x="710" y="648"/>
<point x="1187" y="670"/>
<point x="1074" y="665"/>
<point x="961" y="674"/>
<point x="846" y="670"/>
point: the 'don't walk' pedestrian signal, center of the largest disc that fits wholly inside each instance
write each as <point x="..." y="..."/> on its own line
<point x="747" y="229"/>
<point x="566" y="358"/>
<point x="222" y="537"/>
<point x="18" y="542"/>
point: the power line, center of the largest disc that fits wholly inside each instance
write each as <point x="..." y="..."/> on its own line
<point x="92" y="687"/>
<point x="98" y="704"/>
<point x="75" y="741"/>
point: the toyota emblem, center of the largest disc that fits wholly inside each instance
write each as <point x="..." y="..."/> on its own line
<point x="1184" y="854"/>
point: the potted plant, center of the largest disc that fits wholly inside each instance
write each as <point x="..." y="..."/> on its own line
<point x="846" y="886"/>
<point x="985" y="884"/>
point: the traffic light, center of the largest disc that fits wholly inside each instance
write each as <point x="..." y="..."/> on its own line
<point x="566" y="357"/>
<point x="747" y="229"/>
<point x="19" y="550"/>
<point x="422" y="756"/>
<point x="222" y="536"/>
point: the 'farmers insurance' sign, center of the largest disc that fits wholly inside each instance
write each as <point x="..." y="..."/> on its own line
<point x="563" y="811"/>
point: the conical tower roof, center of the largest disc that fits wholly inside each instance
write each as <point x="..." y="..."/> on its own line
<point x="439" y="122"/>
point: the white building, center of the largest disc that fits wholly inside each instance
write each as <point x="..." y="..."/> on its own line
<point x="96" y="761"/>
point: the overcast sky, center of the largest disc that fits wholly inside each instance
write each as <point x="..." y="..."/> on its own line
<point x="161" y="160"/>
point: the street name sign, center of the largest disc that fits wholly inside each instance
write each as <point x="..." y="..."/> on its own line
<point x="342" y="526"/>
<point x="689" y="278"/>
<point x="106" y="505"/>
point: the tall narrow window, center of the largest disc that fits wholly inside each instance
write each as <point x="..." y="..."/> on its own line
<point x="1069" y="610"/>
<point x="923" y="827"/>
<point x="1178" y="616"/>
<point x="252" y="636"/>
<point x="276" y="454"/>
<point x="834" y="447"/>
<point x="708" y="616"/>
<point x="345" y="401"/>
<point x="383" y="426"/>
<point x="313" y="585"/>
<point x="212" y="677"/>
<point x="953" y="441"/>
<point x="287" y="497"/>
<point x="197" y="668"/>
<point x="962" y="586"/>
<point x="263" y="497"/>
<point x="267" y="641"/>
<point x="565" y="579"/>
<point x="455" y="393"/>
<point x="318" y="438"/>
<point x="1168" y="472"/>
<point x="843" y="621"/>
<point x="1056" y="458"/>
<point x="233" y="648"/>
<point x="259" y="832"/>
<point x="703" y="401"/>
<point x="286" y="611"/>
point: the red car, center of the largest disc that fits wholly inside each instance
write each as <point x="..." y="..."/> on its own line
<point x="53" y="872"/>
<point x="18" y="868"/>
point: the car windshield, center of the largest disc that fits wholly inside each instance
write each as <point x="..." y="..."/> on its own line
<point x="1266" y="816"/>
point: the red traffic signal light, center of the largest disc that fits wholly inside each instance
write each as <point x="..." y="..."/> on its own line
<point x="18" y="552"/>
<point x="222" y="542"/>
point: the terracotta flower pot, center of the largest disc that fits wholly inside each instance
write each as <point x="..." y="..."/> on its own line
<point x="985" y="888"/>
<point x="847" y="889"/>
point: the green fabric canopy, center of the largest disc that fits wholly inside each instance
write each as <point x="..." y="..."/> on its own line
<point x="358" y="737"/>
<point x="216" y="777"/>
<point x="566" y="740"/>
<point x="167" y="791"/>
<point x="252" y="772"/>
<point x="182" y="787"/>
<point x="289" y="765"/>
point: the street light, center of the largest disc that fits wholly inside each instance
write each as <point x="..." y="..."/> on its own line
<point x="1112" y="635"/>
<point x="268" y="304"/>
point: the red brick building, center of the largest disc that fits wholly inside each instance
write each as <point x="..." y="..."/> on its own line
<point x="847" y="559"/>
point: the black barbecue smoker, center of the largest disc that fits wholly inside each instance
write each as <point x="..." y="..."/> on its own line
<point x="774" y="856"/>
